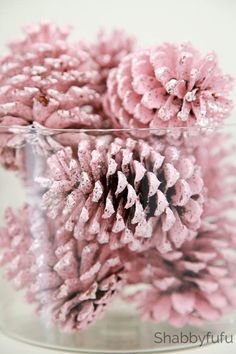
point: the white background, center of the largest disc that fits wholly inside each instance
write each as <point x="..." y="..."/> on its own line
<point x="208" y="24"/>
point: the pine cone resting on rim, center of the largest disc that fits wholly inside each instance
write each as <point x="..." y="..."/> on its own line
<point x="44" y="79"/>
<point x="70" y="281"/>
<point x="191" y="285"/>
<point x="167" y="86"/>
<point x="123" y="191"/>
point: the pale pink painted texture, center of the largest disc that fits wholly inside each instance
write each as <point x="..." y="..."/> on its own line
<point x="120" y="207"/>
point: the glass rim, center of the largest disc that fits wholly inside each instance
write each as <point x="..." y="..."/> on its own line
<point x="51" y="131"/>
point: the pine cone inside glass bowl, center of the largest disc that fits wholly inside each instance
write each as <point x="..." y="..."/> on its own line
<point x="12" y="141"/>
<point x="191" y="285"/>
<point x="167" y="86"/>
<point x="216" y="156"/>
<point x="124" y="191"/>
<point x="196" y="282"/>
<point x="69" y="281"/>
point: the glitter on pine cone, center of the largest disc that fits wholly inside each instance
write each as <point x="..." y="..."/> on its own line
<point x="125" y="192"/>
<point x="44" y="79"/>
<point x="197" y="282"/>
<point x="69" y="281"/>
<point x="167" y="86"/>
<point x="191" y="285"/>
<point x="108" y="51"/>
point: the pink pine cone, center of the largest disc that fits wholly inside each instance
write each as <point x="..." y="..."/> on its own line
<point x="125" y="192"/>
<point x="107" y="51"/>
<point x="167" y="86"/>
<point x="197" y="282"/>
<point x="44" y="79"/>
<point x="191" y="285"/>
<point x="70" y="282"/>
<point x="216" y="156"/>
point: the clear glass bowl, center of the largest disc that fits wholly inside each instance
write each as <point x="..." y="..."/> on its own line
<point x="111" y="214"/>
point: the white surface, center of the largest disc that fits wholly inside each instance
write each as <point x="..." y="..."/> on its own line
<point x="10" y="346"/>
<point x="208" y="24"/>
